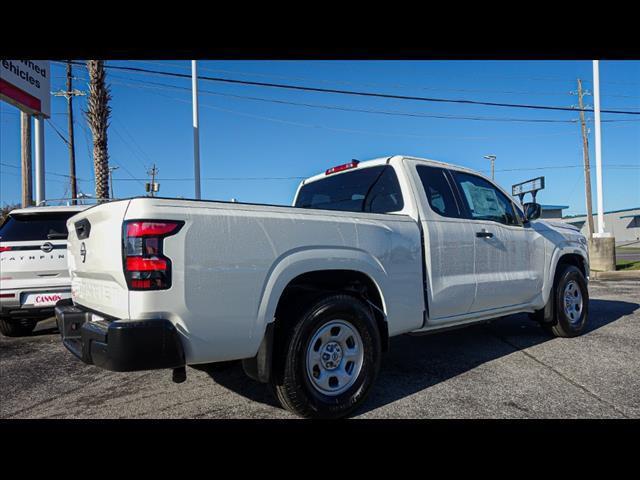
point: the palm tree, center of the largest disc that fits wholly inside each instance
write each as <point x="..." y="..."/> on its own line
<point x="98" y="113"/>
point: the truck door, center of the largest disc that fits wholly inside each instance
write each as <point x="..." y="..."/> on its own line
<point x="505" y="252"/>
<point x="448" y="246"/>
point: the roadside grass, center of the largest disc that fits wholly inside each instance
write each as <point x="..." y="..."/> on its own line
<point x="627" y="265"/>
<point x="628" y="249"/>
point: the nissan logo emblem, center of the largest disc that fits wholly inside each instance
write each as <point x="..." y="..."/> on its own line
<point x="46" y="247"/>
<point x="83" y="252"/>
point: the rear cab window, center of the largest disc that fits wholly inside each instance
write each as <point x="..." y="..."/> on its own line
<point x="373" y="189"/>
<point x="29" y="227"/>
<point x="438" y="191"/>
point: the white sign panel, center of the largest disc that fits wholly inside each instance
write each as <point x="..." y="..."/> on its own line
<point x="27" y="85"/>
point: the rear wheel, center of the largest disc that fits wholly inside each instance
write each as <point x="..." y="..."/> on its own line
<point x="16" y="328"/>
<point x="331" y="358"/>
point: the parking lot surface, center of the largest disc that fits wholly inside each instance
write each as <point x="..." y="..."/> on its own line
<point x="506" y="369"/>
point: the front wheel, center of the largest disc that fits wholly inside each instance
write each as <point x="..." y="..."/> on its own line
<point x="331" y="359"/>
<point x="570" y="297"/>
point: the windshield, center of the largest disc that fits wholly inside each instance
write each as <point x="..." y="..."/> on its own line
<point x="49" y="226"/>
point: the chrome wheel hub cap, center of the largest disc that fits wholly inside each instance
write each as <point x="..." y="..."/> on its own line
<point x="334" y="357"/>
<point x="572" y="302"/>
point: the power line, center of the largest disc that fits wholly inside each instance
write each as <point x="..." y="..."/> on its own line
<point x="361" y="94"/>
<point x="126" y="144"/>
<point x="85" y="129"/>
<point x="371" y="84"/>
<point x="186" y="179"/>
<point x="58" y="132"/>
<point x="347" y="130"/>
<point x="134" y="142"/>
<point x="394" y="85"/>
<point x="48" y="172"/>
<point x="157" y="85"/>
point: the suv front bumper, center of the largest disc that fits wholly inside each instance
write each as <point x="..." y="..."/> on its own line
<point x="120" y="346"/>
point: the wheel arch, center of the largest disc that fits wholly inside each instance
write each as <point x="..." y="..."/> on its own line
<point x="314" y="261"/>
<point x="565" y="256"/>
<point x="316" y="272"/>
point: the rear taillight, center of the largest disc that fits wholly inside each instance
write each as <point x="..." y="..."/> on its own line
<point x="5" y="249"/>
<point x="145" y="266"/>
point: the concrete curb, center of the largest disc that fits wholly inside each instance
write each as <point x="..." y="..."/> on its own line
<point x="615" y="275"/>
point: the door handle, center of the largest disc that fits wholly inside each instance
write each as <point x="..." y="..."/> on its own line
<point x="484" y="234"/>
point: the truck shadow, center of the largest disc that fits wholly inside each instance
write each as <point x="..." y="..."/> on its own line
<point x="415" y="363"/>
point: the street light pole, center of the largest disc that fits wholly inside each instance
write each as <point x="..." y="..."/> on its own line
<point x="196" y="133"/>
<point x="493" y="159"/>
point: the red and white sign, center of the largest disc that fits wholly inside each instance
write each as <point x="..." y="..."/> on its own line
<point x="44" y="299"/>
<point x="27" y="85"/>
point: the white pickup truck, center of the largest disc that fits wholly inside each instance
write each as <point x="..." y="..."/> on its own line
<point x="308" y="296"/>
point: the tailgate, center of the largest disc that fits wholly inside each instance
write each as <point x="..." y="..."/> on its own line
<point x="95" y="259"/>
<point x="33" y="264"/>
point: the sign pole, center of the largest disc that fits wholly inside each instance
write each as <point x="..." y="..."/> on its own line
<point x="196" y="133"/>
<point x="39" y="164"/>
<point x="25" y="134"/>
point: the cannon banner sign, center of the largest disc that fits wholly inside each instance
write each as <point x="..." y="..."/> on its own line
<point x="27" y="84"/>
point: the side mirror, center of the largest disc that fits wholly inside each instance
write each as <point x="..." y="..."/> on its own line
<point x="531" y="211"/>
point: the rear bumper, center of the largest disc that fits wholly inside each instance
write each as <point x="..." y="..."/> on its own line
<point x="117" y="345"/>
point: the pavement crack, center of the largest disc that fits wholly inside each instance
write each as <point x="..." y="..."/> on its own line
<point x="556" y="371"/>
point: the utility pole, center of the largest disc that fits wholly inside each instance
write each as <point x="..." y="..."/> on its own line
<point x="69" y="94"/>
<point x="25" y="136"/>
<point x="587" y="168"/>
<point x="111" y="169"/>
<point x="196" y="132"/>
<point x="493" y="160"/>
<point x="153" y="186"/>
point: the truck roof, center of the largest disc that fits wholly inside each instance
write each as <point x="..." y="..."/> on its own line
<point x="383" y="160"/>
<point x="49" y="209"/>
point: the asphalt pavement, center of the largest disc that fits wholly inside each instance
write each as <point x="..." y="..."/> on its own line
<point x="506" y="369"/>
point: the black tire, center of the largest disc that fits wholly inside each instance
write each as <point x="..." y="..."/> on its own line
<point x="553" y="317"/>
<point x="292" y="384"/>
<point x="16" y="328"/>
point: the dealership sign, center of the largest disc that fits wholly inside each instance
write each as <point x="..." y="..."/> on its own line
<point x="26" y="84"/>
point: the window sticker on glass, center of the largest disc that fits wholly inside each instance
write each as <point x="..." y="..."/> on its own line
<point x="482" y="201"/>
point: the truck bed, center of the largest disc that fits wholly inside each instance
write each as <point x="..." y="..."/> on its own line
<point x="230" y="260"/>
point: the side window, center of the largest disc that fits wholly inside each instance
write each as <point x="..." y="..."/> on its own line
<point x="438" y="191"/>
<point x="484" y="201"/>
<point x="385" y="195"/>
